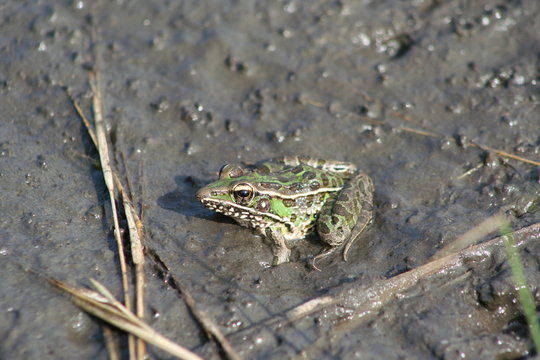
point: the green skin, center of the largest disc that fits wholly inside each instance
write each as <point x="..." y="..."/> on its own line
<point x="287" y="198"/>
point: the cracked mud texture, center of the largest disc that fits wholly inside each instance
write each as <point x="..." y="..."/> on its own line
<point x="189" y="86"/>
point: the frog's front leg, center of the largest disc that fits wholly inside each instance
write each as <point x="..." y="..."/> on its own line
<point x="279" y="247"/>
<point x="343" y="220"/>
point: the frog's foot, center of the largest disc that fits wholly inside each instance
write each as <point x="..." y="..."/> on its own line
<point x="279" y="247"/>
<point x="329" y="250"/>
<point x="356" y="232"/>
<point x="281" y="257"/>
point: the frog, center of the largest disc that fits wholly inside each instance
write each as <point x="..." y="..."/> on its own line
<point x="288" y="198"/>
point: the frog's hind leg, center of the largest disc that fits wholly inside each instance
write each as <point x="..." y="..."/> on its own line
<point x="346" y="218"/>
<point x="364" y="204"/>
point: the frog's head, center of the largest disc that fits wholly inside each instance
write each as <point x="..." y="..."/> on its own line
<point x="235" y="194"/>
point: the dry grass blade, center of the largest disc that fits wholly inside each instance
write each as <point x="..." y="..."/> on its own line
<point x="419" y="132"/>
<point x="103" y="150"/>
<point x="111" y="343"/>
<point x="137" y="255"/>
<point x="505" y="154"/>
<point x="87" y="124"/>
<point x="410" y="120"/>
<point x="103" y="305"/>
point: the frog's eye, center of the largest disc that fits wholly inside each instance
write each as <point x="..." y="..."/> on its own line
<point x="243" y="193"/>
<point x="230" y="171"/>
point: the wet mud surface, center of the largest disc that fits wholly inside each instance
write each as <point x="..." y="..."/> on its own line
<point x="413" y="92"/>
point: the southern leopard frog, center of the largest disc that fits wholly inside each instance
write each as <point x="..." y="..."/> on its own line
<point x="287" y="198"/>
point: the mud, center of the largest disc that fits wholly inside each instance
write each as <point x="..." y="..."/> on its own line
<point x="412" y="92"/>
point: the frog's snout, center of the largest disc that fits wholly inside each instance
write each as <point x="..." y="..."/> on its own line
<point x="202" y="194"/>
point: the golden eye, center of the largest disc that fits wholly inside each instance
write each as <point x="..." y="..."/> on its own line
<point x="243" y="193"/>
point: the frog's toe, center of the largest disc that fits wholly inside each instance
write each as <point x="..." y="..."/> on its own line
<point x="281" y="256"/>
<point x="328" y="251"/>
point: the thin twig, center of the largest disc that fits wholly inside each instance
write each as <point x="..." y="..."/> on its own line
<point x="410" y="120"/>
<point x="469" y="172"/>
<point x="419" y="132"/>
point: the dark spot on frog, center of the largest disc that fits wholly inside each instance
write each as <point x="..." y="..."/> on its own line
<point x="293" y="218"/>
<point x="263" y="170"/>
<point x="309" y="175"/>
<point x="283" y="179"/>
<point x="297" y="169"/>
<point x="343" y="197"/>
<point x="367" y="205"/>
<point x="335" y="220"/>
<point x="315" y="185"/>
<point x="288" y="202"/>
<point x="323" y="228"/>
<point x="286" y="169"/>
<point x="295" y="187"/>
<point x="263" y="205"/>
<point x="361" y="187"/>
<point x="270" y="185"/>
<point x="340" y="210"/>
<point x="324" y="179"/>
